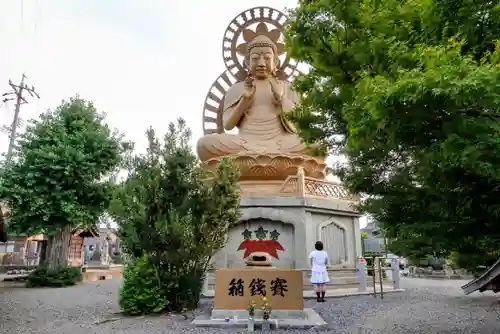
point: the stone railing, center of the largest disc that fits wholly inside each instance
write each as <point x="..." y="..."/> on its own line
<point x="300" y="185"/>
<point x="327" y="189"/>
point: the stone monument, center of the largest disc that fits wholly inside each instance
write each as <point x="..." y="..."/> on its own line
<point x="105" y="258"/>
<point x="287" y="203"/>
<point x="100" y="266"/>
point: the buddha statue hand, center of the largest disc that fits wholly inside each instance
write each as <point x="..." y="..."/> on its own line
<point x="277" y="92"/>
<point x="250" y="88"/>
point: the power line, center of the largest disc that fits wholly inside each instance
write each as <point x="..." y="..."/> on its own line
<point x="17" y="94"/>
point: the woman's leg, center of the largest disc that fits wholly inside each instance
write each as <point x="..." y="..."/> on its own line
<point x="317" y="288"/>
<point x="323" y="292"/>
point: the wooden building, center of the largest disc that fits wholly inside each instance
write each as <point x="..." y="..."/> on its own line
<point x="76" y="254"/>
<point x="38" y="243"/>
<point x="20" y="254"/>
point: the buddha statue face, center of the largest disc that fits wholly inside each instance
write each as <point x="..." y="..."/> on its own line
<point x="262" y="62"/>
<point x="262" y="59"/>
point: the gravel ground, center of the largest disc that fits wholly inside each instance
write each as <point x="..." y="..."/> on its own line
<point x="428" y="306"/>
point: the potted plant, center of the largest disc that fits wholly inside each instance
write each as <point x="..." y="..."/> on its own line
<point x="266" y="314"/>
<point x="251" y="315"/>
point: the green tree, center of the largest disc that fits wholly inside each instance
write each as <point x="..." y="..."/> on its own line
<point x="364" y="236"/>
<point x="54" y="184"/>
<point x="172" y="217"/>
<point x="409" y="91"/>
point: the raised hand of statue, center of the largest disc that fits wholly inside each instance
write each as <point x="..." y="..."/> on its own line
<point x="249" y="89"/>
<point x="275" y="89"/>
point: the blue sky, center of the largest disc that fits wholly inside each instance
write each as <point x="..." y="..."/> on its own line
<point x="143" y="62"/>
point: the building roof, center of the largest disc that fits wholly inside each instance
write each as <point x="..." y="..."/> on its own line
<point x="90" y="233"/>
<point x="373" y="245"/>
<point x="370" y="227"/>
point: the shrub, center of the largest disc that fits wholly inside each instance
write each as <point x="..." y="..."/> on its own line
<point x="184" y="287"/>
<point x="11" y="258"/>
<point x="173" y="217"/>
<point x="141" y="292"/>
<point x="149" y="290"/>
<point x="370" y="273"/>
<point x="54" y="277"/>
<point x="475" y="263"/>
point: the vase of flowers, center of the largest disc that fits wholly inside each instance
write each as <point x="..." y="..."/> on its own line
<point x="266" y="314"/>
<point x="251" y="316"/>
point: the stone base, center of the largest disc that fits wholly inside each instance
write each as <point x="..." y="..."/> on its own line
<point x="300" y="221"/>
<point x="258" y="167"/>
<point x="102" y="272"/>
<point x="299" y="319"/>
<point x="340" y="293"/>
<point x="100" y="266"/>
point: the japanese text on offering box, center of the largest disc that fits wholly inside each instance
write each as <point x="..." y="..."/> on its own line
<point x="235" y="288"/>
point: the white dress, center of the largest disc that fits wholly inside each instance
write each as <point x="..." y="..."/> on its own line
<point x="319" y="274"/>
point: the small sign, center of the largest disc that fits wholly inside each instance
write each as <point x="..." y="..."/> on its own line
<point x="236" y="288"/>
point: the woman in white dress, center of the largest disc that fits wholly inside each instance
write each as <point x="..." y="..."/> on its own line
<point x="319" y="274"/>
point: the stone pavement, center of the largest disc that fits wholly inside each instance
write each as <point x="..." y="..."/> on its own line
<point x="427" y="306"/>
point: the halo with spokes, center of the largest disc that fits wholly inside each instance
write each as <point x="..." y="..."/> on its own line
<point x="240" y="31"/>
<point x="241" y="26"/>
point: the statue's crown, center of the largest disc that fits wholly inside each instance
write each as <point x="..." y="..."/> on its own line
<point x="262" y="36"/>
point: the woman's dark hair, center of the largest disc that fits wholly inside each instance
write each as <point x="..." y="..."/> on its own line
<point x="318" y="246"/>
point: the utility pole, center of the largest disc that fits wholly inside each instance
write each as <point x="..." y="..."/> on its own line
<point x="17" y="94"/>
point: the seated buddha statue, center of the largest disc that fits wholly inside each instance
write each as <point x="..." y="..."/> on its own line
<point x="256" y="106"/>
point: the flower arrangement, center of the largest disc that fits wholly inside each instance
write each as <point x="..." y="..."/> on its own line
<point x="251" y="308"/>
<point x="266" y="309"/>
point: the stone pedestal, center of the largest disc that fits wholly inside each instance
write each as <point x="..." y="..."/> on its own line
<point x="292" y="225"/>
<point x="97" y="271"/>
<point x="236" y="289"/>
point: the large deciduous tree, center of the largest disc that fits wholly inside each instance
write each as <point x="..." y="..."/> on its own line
<point x="409" y="91"/>
<point x="54" y="185"/>
<point x="172" y="217"/>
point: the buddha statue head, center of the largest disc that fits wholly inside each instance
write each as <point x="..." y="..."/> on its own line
<point x="261" y="51"/>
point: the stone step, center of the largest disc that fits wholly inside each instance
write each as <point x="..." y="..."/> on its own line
<point x="335" y="283"/>
<point x="14" y="278"/>
<point x="331" y="273"/>
<point x="98" y="275"/>
<point x="348" y="278"/>
<point x="333" y="286"/>
<point x="338" y="280"/>
<point x="310" y="287"/>
<point x="95" y="276"/>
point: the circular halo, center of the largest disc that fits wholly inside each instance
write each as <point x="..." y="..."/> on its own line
<point x="234" y="30"/>
<point x="212" y="108"/>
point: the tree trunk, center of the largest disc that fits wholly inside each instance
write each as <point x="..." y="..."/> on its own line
<point x="3" y="234"/>
<point x="58" y="248"/>
<point x="43" y="252"/>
